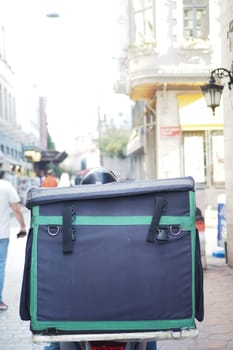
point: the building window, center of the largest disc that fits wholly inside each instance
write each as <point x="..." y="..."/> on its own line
<point x="194" y="156"/>
<point x="10" y="107"/>
<point x="196" y="23"/>
<point x="0" y="101"/>
<point x="204" y="156"/>
<point x="5" y="105"/>
<point x="144" y="21"/>
<point x="13" y="110"/>
<point x="217" y="147"/>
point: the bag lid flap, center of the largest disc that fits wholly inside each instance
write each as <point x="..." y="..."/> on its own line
<point x="37" y="196"/>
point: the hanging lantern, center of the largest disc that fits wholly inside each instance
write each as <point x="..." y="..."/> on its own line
<point x="212" y="93"/>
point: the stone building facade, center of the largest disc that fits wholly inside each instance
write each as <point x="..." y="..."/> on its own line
<point x="227" y="58"/>
<point x="171" y="49"/>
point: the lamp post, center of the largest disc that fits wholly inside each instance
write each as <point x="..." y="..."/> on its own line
<point x="213" y="90"/>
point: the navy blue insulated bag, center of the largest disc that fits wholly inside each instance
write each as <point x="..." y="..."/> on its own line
<point x="117" y="257"/>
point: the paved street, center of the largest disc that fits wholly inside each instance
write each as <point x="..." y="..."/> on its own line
<point x="14" y="333"/>
<point x="216" y="332"/>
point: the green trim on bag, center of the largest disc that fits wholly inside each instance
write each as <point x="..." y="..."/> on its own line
<point x="36" y="211"/>
<point x="185" y="221"/>
<point x="192" y="201"/>
<point x="33" y="274"/>
<point x="113" y="325"/>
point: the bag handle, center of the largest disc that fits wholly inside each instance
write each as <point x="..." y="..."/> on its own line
<point x="160" y="205"/>
<point x="68" y="214"/>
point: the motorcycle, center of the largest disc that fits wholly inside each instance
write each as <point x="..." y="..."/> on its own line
<point x="104" y="345"/>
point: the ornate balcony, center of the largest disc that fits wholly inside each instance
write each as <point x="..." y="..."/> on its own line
<point x="179" y="68"/>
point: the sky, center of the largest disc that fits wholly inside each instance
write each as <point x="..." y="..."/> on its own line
<point x="69" y="58"/>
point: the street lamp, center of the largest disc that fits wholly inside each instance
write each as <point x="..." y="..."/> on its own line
<point x="213" y="91"/>
<point x="52" y="15"/>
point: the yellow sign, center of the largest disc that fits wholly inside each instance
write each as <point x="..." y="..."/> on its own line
<point x="195" y="115"/>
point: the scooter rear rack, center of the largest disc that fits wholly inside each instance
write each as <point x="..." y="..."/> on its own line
<point x="136" y="336"/>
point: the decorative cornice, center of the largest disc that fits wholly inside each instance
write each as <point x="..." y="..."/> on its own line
<point x="170" y="71"/>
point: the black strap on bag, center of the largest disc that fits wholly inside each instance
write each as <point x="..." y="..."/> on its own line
<point x="67" y="230"/>
<point x="160" y="205"/>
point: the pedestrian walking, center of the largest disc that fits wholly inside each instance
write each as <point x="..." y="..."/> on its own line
<point x="9" y="201"/>
<point x="64" y="180"/>
<point x="50" y="180"/>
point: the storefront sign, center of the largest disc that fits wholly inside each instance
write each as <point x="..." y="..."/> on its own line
<point x="169" y="130"/>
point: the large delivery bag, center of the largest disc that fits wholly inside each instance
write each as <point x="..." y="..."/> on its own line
<point x="117" y="257"/>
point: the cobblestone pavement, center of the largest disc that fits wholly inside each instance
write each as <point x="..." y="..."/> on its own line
<point x="215" y="332"/>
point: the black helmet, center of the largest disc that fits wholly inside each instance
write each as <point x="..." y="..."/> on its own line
<point x="98" y="176"/>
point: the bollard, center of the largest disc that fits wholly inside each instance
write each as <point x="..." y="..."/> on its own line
<point x="221" y="220"/>
<point x="221" y="228"/>
<point x="200" y="225"/>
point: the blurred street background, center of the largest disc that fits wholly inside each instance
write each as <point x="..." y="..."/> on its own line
<point x="121" y="84"/>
